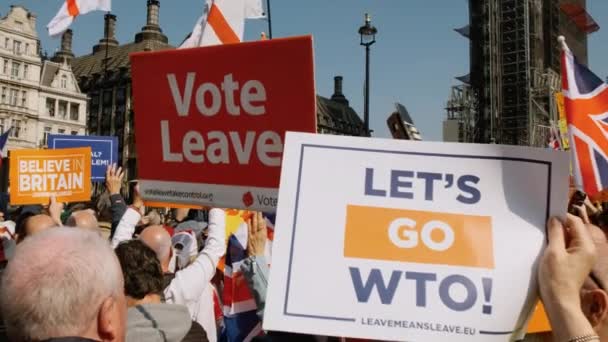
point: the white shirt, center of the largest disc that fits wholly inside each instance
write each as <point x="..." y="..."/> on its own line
<point x="192" y="285"/>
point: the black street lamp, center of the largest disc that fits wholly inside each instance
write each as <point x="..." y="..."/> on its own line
<point x="368" y="38"/>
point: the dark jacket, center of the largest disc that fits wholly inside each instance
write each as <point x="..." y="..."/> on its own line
<point x="118" y="208"/>
<point x="196" y="334"/>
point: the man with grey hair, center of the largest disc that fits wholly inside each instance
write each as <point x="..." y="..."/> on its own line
<point x="64" y="284"/>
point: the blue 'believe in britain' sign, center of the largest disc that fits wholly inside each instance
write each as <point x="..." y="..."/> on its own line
<point x="104" y="151"/>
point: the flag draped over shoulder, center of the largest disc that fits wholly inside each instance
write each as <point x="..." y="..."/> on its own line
<point x="223" y="22"/>
<point x="586" y="104"/>
<point x="241" y="322"/>
<point x="73" y="8"/>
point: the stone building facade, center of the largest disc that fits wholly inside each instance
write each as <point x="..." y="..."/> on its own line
<point x="37" y="97"/>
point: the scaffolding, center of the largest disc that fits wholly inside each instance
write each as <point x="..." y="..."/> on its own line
<point x="460" y="110"/>
<point x="515" y="67"/>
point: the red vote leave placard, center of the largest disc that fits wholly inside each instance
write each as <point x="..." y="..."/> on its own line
<point x="210" y="122"/>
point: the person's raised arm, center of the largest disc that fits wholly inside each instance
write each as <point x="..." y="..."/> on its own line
<point x="564" y="266"/>
<point x="190" y="282"/>
<point x="114" y="178"/>
<point x="128" y="218"/>
<point x="55" y="210"/>
<point x="255" y="267"/>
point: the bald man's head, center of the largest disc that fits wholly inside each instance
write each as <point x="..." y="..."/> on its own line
<point x="83" y="219"/>
<point x="159" y="240"/>
<point x="34" y="225"/>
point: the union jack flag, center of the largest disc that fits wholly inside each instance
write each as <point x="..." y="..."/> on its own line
<point x="241" y="322"/>
<point x="586" y="103"/>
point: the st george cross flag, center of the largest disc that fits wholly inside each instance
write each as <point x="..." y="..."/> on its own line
<point x="73" y="8"/>
<point x="223" y="22"/>
<point x="586" y="103"/>
<point x="554" y="143"/>
<point x="3" y="146"/>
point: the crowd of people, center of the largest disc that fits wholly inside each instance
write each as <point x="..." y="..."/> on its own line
<point x="109" y="271"/>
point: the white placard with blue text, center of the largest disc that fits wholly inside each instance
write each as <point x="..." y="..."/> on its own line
<point x="416" y="241"/>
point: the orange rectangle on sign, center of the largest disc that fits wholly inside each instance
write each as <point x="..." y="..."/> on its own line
<point x="418" y="237"/>
<point x="35" y="175"/>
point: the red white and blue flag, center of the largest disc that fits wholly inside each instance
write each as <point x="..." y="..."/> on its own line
<point x="554" y="143"/>
<point x="586" y="103"/>
<point x="3" y="146"/>
<point x="241" y="322"/>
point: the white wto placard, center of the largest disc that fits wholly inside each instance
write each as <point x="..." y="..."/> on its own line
<point x="416" y="241"/>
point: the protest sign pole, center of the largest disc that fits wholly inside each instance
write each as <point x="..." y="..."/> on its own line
<point x="269" y="19"/>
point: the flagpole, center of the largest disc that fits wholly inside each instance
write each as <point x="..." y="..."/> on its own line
<point x="269" y="19"/>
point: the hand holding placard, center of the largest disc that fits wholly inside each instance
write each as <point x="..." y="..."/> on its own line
<point x="55" y="210"/>
<point x="256" y="240"/>
<point x="564" y="266"/>
<point x="417" y="238"/>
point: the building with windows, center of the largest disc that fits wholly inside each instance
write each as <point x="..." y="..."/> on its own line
<point x="336" y="116"/>
<point x="37" y="97"/>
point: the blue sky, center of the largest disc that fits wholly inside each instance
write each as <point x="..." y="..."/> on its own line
<point x="414" y="61"/>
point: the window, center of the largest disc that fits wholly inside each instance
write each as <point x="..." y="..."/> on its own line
<point x="7" y="42"/>
<point x="15" y="70"/>
<point x="74" y="132"/>
<point x="74" y="108"/>
<point x="25" y="67"/>
<point x="13" y="98"/>
<point x="16" y="47"/>
<point x="4" y="94"/>
<point x="5" y="67"/>
<point x="50" y="107"/>
<point x="16" y="132"/>
<point x="63" y="109"/>
<point x="61" y="131"/>
<point x="64" y="82"/>
<point x="27" y="49"/>
<point x="47" y="131"/>
<point x="2" y="126"/>
<point x="24" y="98"/>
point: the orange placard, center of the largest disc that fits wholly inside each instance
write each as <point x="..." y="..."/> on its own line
<point x="418" y="236"/>
<point x="539" y="322"/>
<point x="35" y="175"/>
